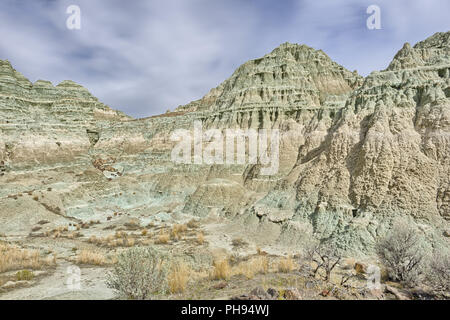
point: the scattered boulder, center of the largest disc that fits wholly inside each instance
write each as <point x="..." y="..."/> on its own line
<point x="397" y="293"/>
<point x="260" y="293"/>
<point x="273" y="293"/>
<point x="220" y="285"/>
<point x="361" y="268"/>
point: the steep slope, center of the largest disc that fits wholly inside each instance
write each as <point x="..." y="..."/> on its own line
<point x="41" y="123"/>
<point x="387" y="156"/>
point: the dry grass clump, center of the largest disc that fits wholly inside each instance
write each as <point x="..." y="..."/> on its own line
<point x="91" y="257"/>
<point x="262" y="264"/>
<point x="239" y="243"/>
<point x="163" y="237"/>
<point x="222" y="270"/>
<point x="200" y="238"/>
<point x="178" y="277"/>
<point x="129" y="242"/>
<point x="144" y="232"/>
<point x="286" y="265"/>
<point x="193" y="224"/>
<point x="177" y="231"/>
<point x="62" y="232"/>
<point x="260" y="252"/>
<point x="13" y="258"/>
<point x="119" y="239"/>
<point x="403" y="250"/>
<point x="132" y="224"/>
<point x="252" y="267"/>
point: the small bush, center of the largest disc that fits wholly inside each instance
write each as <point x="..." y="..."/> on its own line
<point x="325" y="256"/>
<point x="138" y="274"/>
<point x="403" y="252"/>
<point x="438" y="276"/>
<point x="24" y="275"/>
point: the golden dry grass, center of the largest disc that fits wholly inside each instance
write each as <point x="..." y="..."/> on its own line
<point x="129" y="242"/>
<point x="178" y="230"/>
<point x="163" y="237"/>
<point x="252" y="267"/>
<point x="222" y="270"/>
<point x="286" y="265"/>
<point x="91" y="257"/>
<point x="178" y="277"/>
<point x="14" y="258"/>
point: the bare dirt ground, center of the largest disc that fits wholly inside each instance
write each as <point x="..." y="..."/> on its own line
<point x="198" y="242"/>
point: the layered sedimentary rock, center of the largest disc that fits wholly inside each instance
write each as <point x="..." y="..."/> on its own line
<point x="41" y="123"/>
<point x="355" y="153"/>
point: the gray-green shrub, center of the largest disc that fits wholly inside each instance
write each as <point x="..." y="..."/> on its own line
<point x="139" y="274"/>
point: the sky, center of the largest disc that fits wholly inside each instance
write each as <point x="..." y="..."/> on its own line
<point x="144" y="57"/>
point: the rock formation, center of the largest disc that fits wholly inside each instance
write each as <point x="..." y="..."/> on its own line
<point x="355" y="153"/>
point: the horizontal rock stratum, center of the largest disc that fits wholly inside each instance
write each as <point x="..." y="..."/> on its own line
<point x="355" y="153"/>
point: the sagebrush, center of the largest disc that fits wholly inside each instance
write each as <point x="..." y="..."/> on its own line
<point x="140" y="273"/>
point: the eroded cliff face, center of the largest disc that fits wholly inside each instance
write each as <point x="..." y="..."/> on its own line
<point x="386" y="156"/>
<point x="42" y="124"/>
<point x="355" y="153"/>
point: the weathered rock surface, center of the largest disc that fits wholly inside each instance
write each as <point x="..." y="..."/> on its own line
<point x="355" y="153"/>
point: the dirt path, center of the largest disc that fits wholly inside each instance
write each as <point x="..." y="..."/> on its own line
<point x="92" y="286"/>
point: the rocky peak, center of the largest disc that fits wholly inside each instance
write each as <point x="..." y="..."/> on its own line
<point x="433" y="51"/>
<point x="292" y="76"/>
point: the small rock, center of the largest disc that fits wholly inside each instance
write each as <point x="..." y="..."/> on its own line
<point x="360" y="268"/>
<point x="43" y="222"/>
<point x="374" y="294"/>
<point x="36" y="234"/>
<point x="273" y="293"/>
<point x="292" y="294"/>
<point x="259" y="292"/>
<point x="399" y="295"/>
<point x="241" y="297"/>
<point x="15" y="284"/>
<point x="325" y="293"/>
